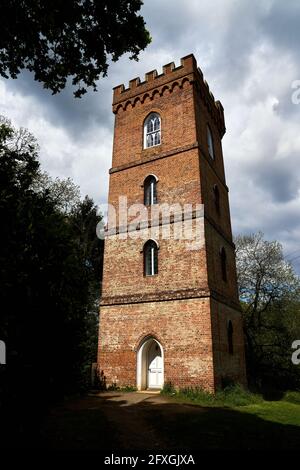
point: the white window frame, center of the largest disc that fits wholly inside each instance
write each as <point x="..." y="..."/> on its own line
<point x="153" y="249"/>
<point x="152" y="188"/>
<point x="152" y="191"/>
<point x="153" y="132"/>
<point x="210" y="142"/>
<point x="152" y="260"/>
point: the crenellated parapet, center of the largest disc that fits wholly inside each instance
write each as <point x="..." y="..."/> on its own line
<point x="186" y="73"/>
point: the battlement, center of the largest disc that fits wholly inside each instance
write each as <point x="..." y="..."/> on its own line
<point x="186" y="71"/>
<point x="187" y="65"/>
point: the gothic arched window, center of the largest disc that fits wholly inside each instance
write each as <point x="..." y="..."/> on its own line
<point x="223" y="261"/>
<point x="152" y="130"/>
<point x="150" y="196"/>
<point x="150" y="258"/>
<point x="230" y="337"/>
<point x="217" y="198"/>
<point x="210" y="142"/>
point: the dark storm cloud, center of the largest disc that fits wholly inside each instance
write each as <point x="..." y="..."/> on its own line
<point x="76" y="116"/>
<point x="281" y="25"/>
<point x="223" y="33"/>
<point x="249" y="53"/>
<point x="229" y="31"/>
<point x="286" y="221"/>
<point x="278" y="178"/>
<point x="281" y="225"/>
<point x="169" y="24"/>
<point x="241" y="35"/>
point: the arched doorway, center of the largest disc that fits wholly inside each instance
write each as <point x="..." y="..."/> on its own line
<point x="150" y="365"/>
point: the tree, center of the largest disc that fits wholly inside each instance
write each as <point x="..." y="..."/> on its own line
<point x="63" y="192"/>
<point x="83" y="219"/>
<point x="71" y="39"/>
<point x="18" y="139"/>
<point x="264" y="276"/>
<point x="270" y="297"/>
<point x="48" y="296"/>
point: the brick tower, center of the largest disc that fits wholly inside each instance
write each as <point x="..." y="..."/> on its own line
<point x="169" y="312"/>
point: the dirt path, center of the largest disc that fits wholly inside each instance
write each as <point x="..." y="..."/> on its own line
<point x="128" y="414"/>
<point x="106" y="420"/>
<point x="112" y="421"/>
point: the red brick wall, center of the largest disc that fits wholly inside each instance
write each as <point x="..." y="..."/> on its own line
<point x="178" y="180"/>
<point x="182" y="327"/>
<point x="178" y="124"/>
<point x="179" y="268"/>
<point x="227" y="365"/>
<point x="187" y="305"/>
<point x="214" y="242"/>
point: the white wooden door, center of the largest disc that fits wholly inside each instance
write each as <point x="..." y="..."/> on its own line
<point x="155" y="372"/>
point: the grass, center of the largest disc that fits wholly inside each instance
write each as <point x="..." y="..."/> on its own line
<point x="231" y="396"/>
<point x="192" y="420"/>
<point x="283" y="411"/>
<point x="280" y="412"/>
<point x="234" y="418"/>
<point x="116" y="388"/>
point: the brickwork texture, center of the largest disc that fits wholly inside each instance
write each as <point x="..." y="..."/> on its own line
<point x="188" y="305"/>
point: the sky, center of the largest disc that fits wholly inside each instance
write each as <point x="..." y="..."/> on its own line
<point x="249" y="52"/>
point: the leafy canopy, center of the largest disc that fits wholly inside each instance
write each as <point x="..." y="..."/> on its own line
<point x="270" y="297"/>
<point x="73" y="39"/>
<point x="50" y="276"/>
<point x="264" y="276"/>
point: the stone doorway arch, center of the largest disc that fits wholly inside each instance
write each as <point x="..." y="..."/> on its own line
<point x="150" y="364"/>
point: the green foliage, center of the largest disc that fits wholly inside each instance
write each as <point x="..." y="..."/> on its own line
<point x="63" y="192"/>
<point x="270" y="298"/>
<point x="115" y="388"/>
<point x="264" y="276"/>
<point x="50" y="285"/>
<point x="71" y="39"/>
<point x="196" y="395"/>
<point x="128" y="388"/>
<point x="234" y="395"/>
<point x="292" y="397"/>
<point x="168" y="389"/>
